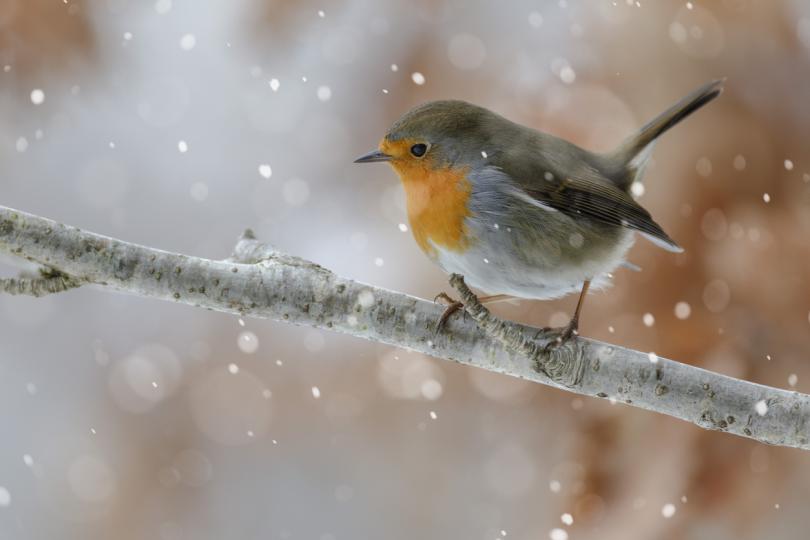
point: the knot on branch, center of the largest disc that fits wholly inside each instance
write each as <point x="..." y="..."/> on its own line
<point x="50" y="281"/>
<point x="563" y="364"/>
<point x="249" y="250"/>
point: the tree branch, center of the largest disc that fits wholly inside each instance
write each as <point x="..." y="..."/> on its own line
<point x="258" y="281"/>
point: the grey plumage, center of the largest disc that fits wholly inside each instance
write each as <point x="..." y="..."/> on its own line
<point x="543" y="216"/>
<point x="555" y="173"/>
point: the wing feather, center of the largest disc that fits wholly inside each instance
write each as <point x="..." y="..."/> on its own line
<point x="586" y="193"/>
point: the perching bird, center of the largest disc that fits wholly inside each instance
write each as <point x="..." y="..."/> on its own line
<point x="521" y="213"/>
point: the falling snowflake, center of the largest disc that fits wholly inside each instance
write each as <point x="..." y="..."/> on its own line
<point x="324" y="93"/>
<point x="567" y="75"/>
<point x="247" y="342"/>
<point x="683" y="310"/>
<point x="163" y="6"/>
<point x="198" y="191"/>
<point x="37" y="96"/>
<point x="265" y="170"/>
<point x="188" y="42"/>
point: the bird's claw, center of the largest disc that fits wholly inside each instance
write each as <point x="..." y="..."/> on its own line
<point x="448" y="312"/>
<point x="452" y="304"/>
<point x="564" y="335"/>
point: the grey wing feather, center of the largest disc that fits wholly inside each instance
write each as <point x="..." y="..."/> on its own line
<point x="586" y="193"/>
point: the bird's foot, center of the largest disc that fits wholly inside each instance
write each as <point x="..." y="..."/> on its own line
<point x="560" y="336"/>
<point x="452" y="304"/>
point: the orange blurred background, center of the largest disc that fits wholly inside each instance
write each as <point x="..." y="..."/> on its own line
<point x="177" y="124"/>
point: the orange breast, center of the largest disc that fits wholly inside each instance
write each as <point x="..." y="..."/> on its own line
<point x="437" y="204"/>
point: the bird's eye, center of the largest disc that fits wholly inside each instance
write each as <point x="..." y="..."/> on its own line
<point x="419" y="149"/>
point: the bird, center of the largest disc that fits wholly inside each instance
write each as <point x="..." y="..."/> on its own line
<point x="520" y="213"/>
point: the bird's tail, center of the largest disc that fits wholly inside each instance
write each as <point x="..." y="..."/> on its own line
<point x="634" y="152"/>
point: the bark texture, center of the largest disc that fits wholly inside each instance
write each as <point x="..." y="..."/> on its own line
<point x="257" y="281"/>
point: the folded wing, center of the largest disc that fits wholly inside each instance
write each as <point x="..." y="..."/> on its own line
<point x="587" y="194"/>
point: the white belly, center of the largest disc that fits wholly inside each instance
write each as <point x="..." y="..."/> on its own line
<point x="491" y="268"/>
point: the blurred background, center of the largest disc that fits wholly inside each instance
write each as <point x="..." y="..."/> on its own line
<point x="178" y="123"/>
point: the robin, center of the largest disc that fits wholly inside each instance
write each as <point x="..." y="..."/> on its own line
<point x="517" y="212"/>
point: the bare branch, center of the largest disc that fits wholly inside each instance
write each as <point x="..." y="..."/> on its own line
<point x="261" y="282"/>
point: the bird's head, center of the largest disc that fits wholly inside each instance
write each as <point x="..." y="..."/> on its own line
<point x="435" y="135"/>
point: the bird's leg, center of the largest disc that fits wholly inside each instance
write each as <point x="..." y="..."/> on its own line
<point x="573" y="326"/>
<point x="571" y="329"/>
<point x="454" y="305"/>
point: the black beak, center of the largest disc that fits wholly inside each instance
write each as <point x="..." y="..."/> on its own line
<point x="373" y="157"/>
